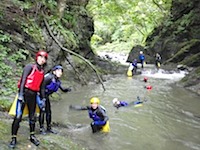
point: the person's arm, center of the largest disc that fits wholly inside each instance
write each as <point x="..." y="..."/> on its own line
<point x="104" y="118"/>
<point x="47" y="80"/>
<point x="123" y="103"/>
<point x="26" y="71"/>
<point x="77" y="107"/>
<point x="65" y="89"/>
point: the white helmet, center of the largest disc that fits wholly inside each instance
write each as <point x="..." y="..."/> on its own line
<point x="141" y="52"/>
<point x="115" y="100"/>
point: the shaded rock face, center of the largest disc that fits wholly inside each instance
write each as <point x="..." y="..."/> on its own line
<point x="178" y="40"/>
<point x="14" y="18"/>
<point x="84" y="28"/>
<point x="134" y="53"/>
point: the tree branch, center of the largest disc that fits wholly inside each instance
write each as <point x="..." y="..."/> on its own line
<point x="73" y="53"/>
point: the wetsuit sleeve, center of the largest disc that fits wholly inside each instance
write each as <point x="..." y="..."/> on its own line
<point x="26" y="71"/>
<point x="77" y="107"/>
<point x="84" y="107"/>
<point x="47" y="80"/>
<point x="123" y="103"/>
<point x="103" y="117"/>
<point x="64" y="89"/>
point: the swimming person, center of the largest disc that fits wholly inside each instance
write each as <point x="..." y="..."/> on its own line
<point x="97" y="113"/>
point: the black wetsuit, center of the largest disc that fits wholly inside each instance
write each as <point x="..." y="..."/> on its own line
<point x="45" y="95"/>
<point x="158" y="60"/>
<point x="99" y="117"/>
<point x="29" y="99"/>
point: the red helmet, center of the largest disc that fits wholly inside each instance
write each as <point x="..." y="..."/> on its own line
<point x="42" y="53"/>
<point x="145" y="79"/>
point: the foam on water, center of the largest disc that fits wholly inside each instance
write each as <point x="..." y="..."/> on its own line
<point x="114" y="56"/>
<point x="162" y="74"/>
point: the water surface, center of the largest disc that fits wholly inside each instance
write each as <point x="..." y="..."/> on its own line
<point x="170" y="119"/>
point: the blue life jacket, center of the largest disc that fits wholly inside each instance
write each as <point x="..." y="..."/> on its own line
<point x="53" y="86"/>
<point x="123" y="103"/>
<point x="134" y="63"/>
<point x="141" y="57"/>
<point x="93" y="114"/>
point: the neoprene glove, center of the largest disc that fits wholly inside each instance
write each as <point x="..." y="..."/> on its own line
<point x="43" y="104"/>
<point x="67" y="90"/>
<point x="21" y="98"/>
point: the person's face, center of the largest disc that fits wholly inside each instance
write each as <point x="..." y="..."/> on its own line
<point x="94" y="105"/>
<point x="58" y="72"/>
<point x="41" y="60"/>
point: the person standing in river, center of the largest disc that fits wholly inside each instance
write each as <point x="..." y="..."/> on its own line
<point x="158" y="60"/>
<point x="142" y="58"/>
<point x="134" y="64"/>
<point x="97" y="113"/>
<point x="29" y="86"/>
<point x="50" y="85"/>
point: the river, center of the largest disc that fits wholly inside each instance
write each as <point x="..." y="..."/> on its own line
<point x="169" y="119"/>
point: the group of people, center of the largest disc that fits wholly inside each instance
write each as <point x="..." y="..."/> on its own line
<point x="35" y="87"/>
<point x="119" y="103"/>
<point x="141" y="59"/>
<point x="132" y="70"/>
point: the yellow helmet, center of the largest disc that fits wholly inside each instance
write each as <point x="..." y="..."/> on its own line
<point x="94" y="100"/>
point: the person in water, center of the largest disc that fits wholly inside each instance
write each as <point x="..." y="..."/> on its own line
<point x="29" y="86"/>
<point x="148" y="87"/>
<point x="118" y="104"/>
<point x="134" y="64"/>
<point x="142" y="58"/>
<point x="158" y="60"/>
<point x="145" y="79"/>
<point x="50" y="84"/>
<point x="97" y="113"/>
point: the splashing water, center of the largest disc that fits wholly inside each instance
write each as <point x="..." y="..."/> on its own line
<point x="162" y="74"/>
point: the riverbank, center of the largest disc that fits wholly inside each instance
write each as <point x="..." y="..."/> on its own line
<point x="60" y="141"/>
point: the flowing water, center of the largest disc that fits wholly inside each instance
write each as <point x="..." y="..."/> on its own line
<point x="169" y="119"/>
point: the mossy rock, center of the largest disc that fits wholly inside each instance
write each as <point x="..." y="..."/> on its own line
<point x="193" y="60"/>
<point x="187" y="48"/>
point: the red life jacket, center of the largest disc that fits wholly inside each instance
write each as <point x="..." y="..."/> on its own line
<point x="34" y="79"/>
<point x="149" y="87"/>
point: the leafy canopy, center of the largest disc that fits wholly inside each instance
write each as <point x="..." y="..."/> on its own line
<point x="125" y="21"/>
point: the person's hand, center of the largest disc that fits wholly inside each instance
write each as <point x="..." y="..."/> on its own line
<point x="43" y="104"/>
<point x="67" y="90"/>
<point x="71" y="107"/>
<point x="21" y="98"/>
<point x="96" y="122"/>
<point x="92" y="123"/>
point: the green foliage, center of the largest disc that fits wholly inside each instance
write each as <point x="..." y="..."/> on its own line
<point x="59" y="29"/>
<point x="32" y="29"/>
<point x="184" y="22"/>
<point x="23" y="4"/>
<point x="126" y="20"/>
<point x="9" y="65"/>
<point x="50" y="4"/>
<point x="115" y="47"/>
<point x="4" y="37"/>
<point x="5" y="104"/>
